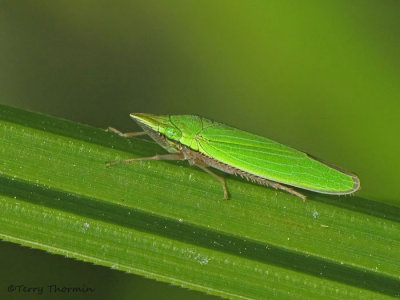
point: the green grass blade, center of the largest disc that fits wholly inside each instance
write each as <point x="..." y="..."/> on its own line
<point x="168" y="221"/>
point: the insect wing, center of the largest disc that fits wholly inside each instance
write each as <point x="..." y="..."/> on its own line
<point x="268" y="159"/>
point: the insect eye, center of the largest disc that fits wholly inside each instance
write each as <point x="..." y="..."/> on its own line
<point x="173" y="133"/>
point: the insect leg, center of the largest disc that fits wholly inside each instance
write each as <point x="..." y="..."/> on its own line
<point x="291" y="191"/>
<point x="127" y="134"/>
<point x="222" y="180"/>
<point x="281" y="187"/>
<point x="169" y="156"/>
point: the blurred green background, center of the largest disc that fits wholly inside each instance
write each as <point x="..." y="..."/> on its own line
<point x="321" y="76"/>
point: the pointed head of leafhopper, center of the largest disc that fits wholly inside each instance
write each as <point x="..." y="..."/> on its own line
<point x="157" y="126"/>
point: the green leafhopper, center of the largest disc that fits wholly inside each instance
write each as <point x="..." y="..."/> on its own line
<point x="205" y="143"/>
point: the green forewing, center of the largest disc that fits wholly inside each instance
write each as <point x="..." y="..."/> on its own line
<point x="260" y="156"/>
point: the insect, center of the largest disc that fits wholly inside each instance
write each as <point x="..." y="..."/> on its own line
<point x="205" y="143"/>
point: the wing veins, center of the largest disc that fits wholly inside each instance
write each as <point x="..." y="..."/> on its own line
<point x="268" y="170"/>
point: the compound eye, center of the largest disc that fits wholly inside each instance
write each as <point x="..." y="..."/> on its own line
<point x="173" y="133"/>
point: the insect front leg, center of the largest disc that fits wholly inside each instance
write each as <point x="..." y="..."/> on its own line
<point x="126" y="134"/>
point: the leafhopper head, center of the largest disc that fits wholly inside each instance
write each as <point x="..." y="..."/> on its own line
<point x="161" y="129"/>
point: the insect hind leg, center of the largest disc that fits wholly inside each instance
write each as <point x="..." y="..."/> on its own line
<point x="279" y="186"/>
<point x="266" y="182"/>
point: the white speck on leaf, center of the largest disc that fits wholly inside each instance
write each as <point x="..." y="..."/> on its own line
<point x="197" y="257"/>
<point x="85" y="227"/>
